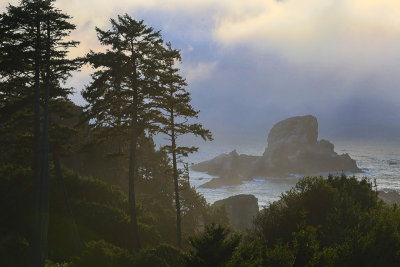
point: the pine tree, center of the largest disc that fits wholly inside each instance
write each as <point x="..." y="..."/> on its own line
<point x="121" y="94"/>
<point x="34" y="65"/>
<point x="177" y="110"/>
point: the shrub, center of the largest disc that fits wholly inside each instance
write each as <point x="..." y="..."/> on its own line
<point x="213" y="247"/>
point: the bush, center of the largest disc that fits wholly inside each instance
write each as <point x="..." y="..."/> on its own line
<point x="335" y="205"/>
<point x="324" y="222"/>
<point x="103" y="254"/>
<point x="162" y="255"/>
<point x="13" y="250"/>
<point x="213" y="247"/>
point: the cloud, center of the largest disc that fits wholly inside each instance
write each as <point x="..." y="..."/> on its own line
<point x="250" y="63"/>
<point x="353" y="37"/>
<point x="353" y="34"/>
<point x="200" y="72"/>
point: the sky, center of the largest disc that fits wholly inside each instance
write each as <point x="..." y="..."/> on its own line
<point x="252" y="63"/>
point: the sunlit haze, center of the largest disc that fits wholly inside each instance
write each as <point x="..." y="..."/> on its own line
<point x="252" y="63"/>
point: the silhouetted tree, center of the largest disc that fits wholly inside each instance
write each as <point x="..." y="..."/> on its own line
<point x="120" y="95"/>
<point x="34" y="65"/>
<point x="174" y="100"/>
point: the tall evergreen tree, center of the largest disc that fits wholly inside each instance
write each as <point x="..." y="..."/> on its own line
<point x="120" y="96"/>
<point x="34" y="65"/>
<point x="174" y="100"/>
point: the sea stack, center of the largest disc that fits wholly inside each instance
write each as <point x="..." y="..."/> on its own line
<point x="293" y="149"/>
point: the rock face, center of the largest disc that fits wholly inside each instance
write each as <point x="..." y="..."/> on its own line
<point x="293" y="148"/>
<point x="300" y="129"/>
<point x="241" y="210"/>
<point x="231" y="168"/>
<point x="389" y="198"/>
<point x="224" y="180"/>
<point x="231" y="164"/>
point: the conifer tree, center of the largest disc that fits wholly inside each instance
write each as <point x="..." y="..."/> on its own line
<point x="121" y="94"/>
<point x="34" y="66"/>
<point x="174" y="100"/>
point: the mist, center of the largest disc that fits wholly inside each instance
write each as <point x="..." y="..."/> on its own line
<point x="199" y="133"/>
<point x="343" y="70"/>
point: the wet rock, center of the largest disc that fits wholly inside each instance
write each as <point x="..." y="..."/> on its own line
<point x="241" y="210"/>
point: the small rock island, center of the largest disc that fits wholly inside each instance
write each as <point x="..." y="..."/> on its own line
<point x="293" y="148"/>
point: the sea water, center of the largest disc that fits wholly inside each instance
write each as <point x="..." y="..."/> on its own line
<point x="379" y="160"/>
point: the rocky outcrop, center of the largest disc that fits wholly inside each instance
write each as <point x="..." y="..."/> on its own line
<point x="389" y="198"/>
<point x="300" y="129"/>
<point x="241" y="210"/>
<point x="224" y="180"/>
<point x="293" y="148"/>
<point x="231" y="168"/>
<point x="226" y="165"/>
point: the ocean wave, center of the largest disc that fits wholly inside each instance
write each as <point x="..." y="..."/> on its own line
<point x="367" y="171"/>
<point x="224" y="187"/>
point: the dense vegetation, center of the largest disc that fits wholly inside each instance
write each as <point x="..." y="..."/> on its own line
<point x="334" y="221"/>
<point x="87" y="186"/>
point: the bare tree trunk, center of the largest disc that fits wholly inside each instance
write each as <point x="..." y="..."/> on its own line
<point x="176" y="182"/>
<point x="36" y="238"/>
<point x="45" y="179"/>
<point x="132" y="198"/>
<point x="73" y="229"/>
<point x="1" y="151"/>
<point x="132" y="157"/>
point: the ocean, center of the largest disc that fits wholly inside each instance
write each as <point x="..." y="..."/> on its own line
<point x="379" y="160"/>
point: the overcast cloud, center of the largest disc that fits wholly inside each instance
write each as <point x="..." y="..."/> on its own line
<point x="251" y="63"/>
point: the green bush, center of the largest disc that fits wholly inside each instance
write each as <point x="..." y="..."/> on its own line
<point x="161" y="256"/>
<point x="13" y="250"/>
<point x="103" y="254"/>
<point x="336" y="221"/>
<point x="335" y="205"/>
<point x="213" y="247"/>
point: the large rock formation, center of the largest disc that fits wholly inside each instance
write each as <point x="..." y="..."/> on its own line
<point x="293" y="148"/>
<point x="241" y="210"/>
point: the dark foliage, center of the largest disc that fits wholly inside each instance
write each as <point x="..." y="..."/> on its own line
<point x="213" y="247"/>
<point x="336" y="221"/>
